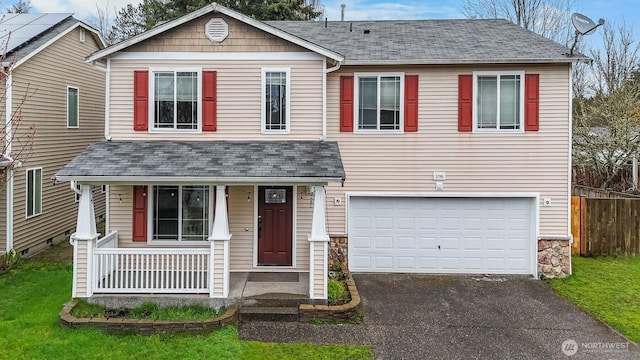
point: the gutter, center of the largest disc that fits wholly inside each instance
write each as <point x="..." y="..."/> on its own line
<point x="144" y="180"/>
<point x="324" y="94"/>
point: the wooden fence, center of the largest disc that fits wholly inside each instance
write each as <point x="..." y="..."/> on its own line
<point x="605" y="226"/>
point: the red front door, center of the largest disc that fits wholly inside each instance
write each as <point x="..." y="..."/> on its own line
<point x="275" y="231"/>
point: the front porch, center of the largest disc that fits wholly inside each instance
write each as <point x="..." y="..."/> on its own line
<point x="183" y="216"/>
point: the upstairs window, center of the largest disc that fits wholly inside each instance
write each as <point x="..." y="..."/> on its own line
<point x="379" y="102"/>
<point x="275" y="100"/>
<point x="175" y="100"/>
<point x="499" y="101"/>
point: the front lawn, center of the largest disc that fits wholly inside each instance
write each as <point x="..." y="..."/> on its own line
<point x="607" y="287"/>
<point x="33" y="294"/>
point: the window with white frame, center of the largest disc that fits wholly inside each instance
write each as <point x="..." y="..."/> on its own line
<point x="34" y="192"/>
<point x="82" y="35"/>
<point x="175" y="99"/>
<point x="73" y="107"/>
<point x="181" y="212"/>
<point x="275" y="100"/>
<point x="379" y="100"/>
<point x="499" y="99"/>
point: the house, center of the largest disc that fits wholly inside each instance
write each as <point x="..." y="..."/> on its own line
<point x="57" y="93"/>
<point x="234" y="145"/>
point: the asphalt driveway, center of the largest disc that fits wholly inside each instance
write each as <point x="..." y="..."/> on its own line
<point x="459" y="317"/>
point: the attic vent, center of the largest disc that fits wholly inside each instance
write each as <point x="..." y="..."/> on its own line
<point x="216" y="30"/>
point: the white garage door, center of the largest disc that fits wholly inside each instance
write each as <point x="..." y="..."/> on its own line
<point x="441" y="235"/>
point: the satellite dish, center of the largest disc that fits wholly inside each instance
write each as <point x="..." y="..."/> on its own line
<point x="584" y="26"/>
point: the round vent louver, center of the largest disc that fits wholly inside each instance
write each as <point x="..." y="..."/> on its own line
<point x="216" y="30"/>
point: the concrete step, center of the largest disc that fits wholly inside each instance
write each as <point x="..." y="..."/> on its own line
<point x="269" y="313"/>
<point x="275" y="300"/>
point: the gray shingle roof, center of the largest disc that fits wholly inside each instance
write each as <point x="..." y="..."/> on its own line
<point x="24" y="33"/>
<point x="429" y="41"/>
<point x="236" y="161"/>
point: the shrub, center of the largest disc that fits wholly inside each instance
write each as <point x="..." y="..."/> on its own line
<point x="337" y="292"/>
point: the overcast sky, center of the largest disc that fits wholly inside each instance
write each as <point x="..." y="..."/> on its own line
<point x="611" y="10"/>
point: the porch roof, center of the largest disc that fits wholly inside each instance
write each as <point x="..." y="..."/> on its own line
<point x="225" y="162"/>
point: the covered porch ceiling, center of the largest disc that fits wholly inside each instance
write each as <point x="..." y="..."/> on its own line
<point x="198" y="162"/>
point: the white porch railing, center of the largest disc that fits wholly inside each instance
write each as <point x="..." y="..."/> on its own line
<point x="149" y="270"/>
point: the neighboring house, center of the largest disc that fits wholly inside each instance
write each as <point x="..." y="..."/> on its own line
<point x="234" y="145"/>
<point x="50" y="84"/>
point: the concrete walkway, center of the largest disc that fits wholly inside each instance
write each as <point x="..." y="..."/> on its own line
<point x="458" y="317"/>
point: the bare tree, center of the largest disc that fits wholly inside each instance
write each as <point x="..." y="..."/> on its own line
<point x="103" y="22"/>
<point x="17" y="137"/>
<point x="607" y="149"/>
<point x="21" y="7"/>
<point x="549" y="18"/>
<point x="616" y="60"/>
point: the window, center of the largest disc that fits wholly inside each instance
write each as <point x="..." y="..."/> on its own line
<point x="181" y="212"/>
<point x="379" y="100"/>
<point x="34" y="192"/>
<point x="104" y="189"/>
<point x="499" y="99"/>
<point x="82" y="35"/>
<point x="275" y="100"/>
<point x="175" y="100"/>
<point x="72" y="107"/>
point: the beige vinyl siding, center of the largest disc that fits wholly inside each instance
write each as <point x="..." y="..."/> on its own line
<point x="319" y="270"/>
<point x="45" y="78"/>
<point x="218" y="268"/>
<point x="239" y="89"/>
<point x="498" y="162"/>
<point x="80" y="265"/>
<point x="241" y="227"/>
<point x="190" y="37"/>
<point x="121" y="215"/>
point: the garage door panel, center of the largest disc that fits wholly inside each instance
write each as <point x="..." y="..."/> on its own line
<point x="383" y="242"/>
<point x="441" y="235"/>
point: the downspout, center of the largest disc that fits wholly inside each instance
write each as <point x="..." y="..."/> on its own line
<point x="7" y="154"/>
<point x="324" y="94"/>
<point x="107" y="72"/>
<point x="569" y="173"/>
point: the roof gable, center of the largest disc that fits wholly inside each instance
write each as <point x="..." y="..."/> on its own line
<point x="28" y="36"/>
<point x="215" y="8"/>
<point x="191" y="37"/>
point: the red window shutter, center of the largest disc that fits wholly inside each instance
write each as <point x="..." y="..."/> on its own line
<point x="209" y="101"/>
<point x="465" y="103"/>
<point x="411" y="103"/>
<point x="139" y="213"/>
<point x="531" y="102"/>
<point x="140" y="100"/>
<point x="346" y="103"/>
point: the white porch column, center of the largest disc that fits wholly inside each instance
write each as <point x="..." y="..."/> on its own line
<point x="83" y="242"/>
<point x="318" y="246"/>
<point x="219" y="244"/>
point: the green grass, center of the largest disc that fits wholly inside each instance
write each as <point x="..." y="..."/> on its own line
<point x="34" y="293"/>
<point x="608" y="288"/>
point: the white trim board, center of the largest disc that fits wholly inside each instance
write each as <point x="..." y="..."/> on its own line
<point x="286" y="56"/>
